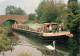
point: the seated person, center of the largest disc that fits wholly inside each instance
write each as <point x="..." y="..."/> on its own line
<point x="50" y="28"/>
<point x="53" y="28"/>
<point x="63" y="28"/>
<point x="47" y="31"/>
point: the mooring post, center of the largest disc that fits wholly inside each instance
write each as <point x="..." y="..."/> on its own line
<point x="54" y="48"/>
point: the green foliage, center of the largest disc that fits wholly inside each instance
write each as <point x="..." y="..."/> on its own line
<point x="72" y="0"/>
<point x="5" y="42"/>
<point x="73" y="23"/>
<point x="14" y="11"/>
<point x="25" y="54"/>
<point x="7" y="23"/>
<point x="50" y="12"/>
<point x="3" y="32"/>
<point x="73" y="19"/>
<point x="74" y="46"/>
<point x="31" y="16"/>
<point x="10" y="10"/>
<point x="2" y="46"/>
<point x="19" y="11"/>
<point x="72" y="43"/>
<point x="41" y="8"/>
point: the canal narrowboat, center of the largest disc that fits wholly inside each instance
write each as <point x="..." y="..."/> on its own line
<point x="47" y="31"/>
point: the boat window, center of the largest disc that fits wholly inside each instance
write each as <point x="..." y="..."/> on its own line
<point x="53" y="28"/>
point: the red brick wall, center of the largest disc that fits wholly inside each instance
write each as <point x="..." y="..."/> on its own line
<point x="17" y="18"/>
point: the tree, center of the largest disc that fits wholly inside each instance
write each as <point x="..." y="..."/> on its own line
<point x="19" y="11"/>
<point x="73" y="23"/>
<point x="61" y="7"/>
<point x="73" y="16"/>
<point x="40" y="10"/>
<point x="10" y="10"/>
<point x="31" y="16"/>
<point x="49" y="12"/>
<point x="15" y="11"/>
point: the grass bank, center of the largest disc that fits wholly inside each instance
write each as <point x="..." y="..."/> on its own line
<point x="5" y="40"/>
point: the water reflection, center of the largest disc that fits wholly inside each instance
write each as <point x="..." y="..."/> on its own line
<point x="33" y="45"/>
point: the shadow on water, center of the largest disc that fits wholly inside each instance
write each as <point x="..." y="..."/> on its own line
<point x="35" y="38"/>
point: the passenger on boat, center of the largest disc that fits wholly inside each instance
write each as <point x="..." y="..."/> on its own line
<point x="53" y="28"/>
<point x="50" y="28"/>
<point x="59" y="27"/>
<point x="56" y="28"/>
<point x="47" y="31"/>
<point x="63" y="28"/>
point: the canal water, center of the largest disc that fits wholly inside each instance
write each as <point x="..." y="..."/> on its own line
<point x="31" y="44"/>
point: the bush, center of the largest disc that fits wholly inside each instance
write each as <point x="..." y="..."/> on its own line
<point x="2" y="46"/>
<point x="5" y="42"/>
